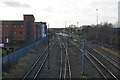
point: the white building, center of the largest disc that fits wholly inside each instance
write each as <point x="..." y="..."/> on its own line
<point x="119" y="14"/>
<point x="72" y="26"/>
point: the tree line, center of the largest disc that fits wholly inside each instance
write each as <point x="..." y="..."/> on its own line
<point x="103" y="33"/>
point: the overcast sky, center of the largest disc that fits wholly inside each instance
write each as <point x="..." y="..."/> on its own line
<point x="56" y="12"/>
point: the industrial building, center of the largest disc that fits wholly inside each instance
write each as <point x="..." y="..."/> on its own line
<point x="26" y="30"/>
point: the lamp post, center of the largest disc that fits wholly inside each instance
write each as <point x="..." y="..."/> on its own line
<point x="48" y="48"/>
<point x="68" y="35"/>
<point x="97" y="15"/>
<point x="65" y="27"/>
<point x="97" y="24"/>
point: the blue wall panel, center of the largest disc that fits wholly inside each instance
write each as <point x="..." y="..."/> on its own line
<point x="43" y="30"/>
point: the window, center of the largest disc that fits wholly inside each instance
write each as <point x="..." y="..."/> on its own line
<point x="15" y="32"/>
<point x="21" y="26"/>
<point x="7" y="32"/>
<point x="15" y="26"/>
<point x="0" y="26"/>
<point x="6" y="26"/>
<point x="15" y="39"/>
<point x="20" y="32"/>
<point x="7" y="39"/>
<point x="20" y="38"/>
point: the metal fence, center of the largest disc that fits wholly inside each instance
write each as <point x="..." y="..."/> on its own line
<point x="14" y="56"/>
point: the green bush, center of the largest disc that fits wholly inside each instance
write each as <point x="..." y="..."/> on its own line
<point x="115" y="40"/>
<point x="3" y="51"/>
<point x="84" y="35"/>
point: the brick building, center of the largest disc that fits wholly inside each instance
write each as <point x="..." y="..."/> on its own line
<point x="26" y="30"/>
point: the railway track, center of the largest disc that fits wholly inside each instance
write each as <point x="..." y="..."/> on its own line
<point x="36" y="68"/>
<point x="110" y="59"/>
<point x="65" y="70"/>
<point x="113" y="66"/>
<point x="102" y="69"/>
<point x="113" y="61"/>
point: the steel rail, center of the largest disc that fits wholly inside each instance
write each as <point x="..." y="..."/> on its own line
<point x="117" y="66"/>
<point x="109" y="58"/>
<point x="102" y="65"/>
<point x="37" y="60"/>
<point x="60" y="77"/>
<point x="105" y="57"/>
<point x="67" y="62"/>
<point x="91" y="62"/>
<point x="40" y="68"/>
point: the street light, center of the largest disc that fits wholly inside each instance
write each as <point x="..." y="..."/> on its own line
<point x="97" y="25"/>
<point x="48" y="48"/>
<point x="97" y="15"/>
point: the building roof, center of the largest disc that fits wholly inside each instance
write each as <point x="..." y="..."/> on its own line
<point x="43" y="22"/>
<point x="18" y="22"/>
<point x="12" y="20"/>
<point x="29" y="15"/>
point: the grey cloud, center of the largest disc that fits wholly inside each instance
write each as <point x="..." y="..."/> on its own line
<point x="110" y="17"/>
<point x="104" y="4"/>
<point x="16" y="4"/>
<point x="49" y="9"/>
